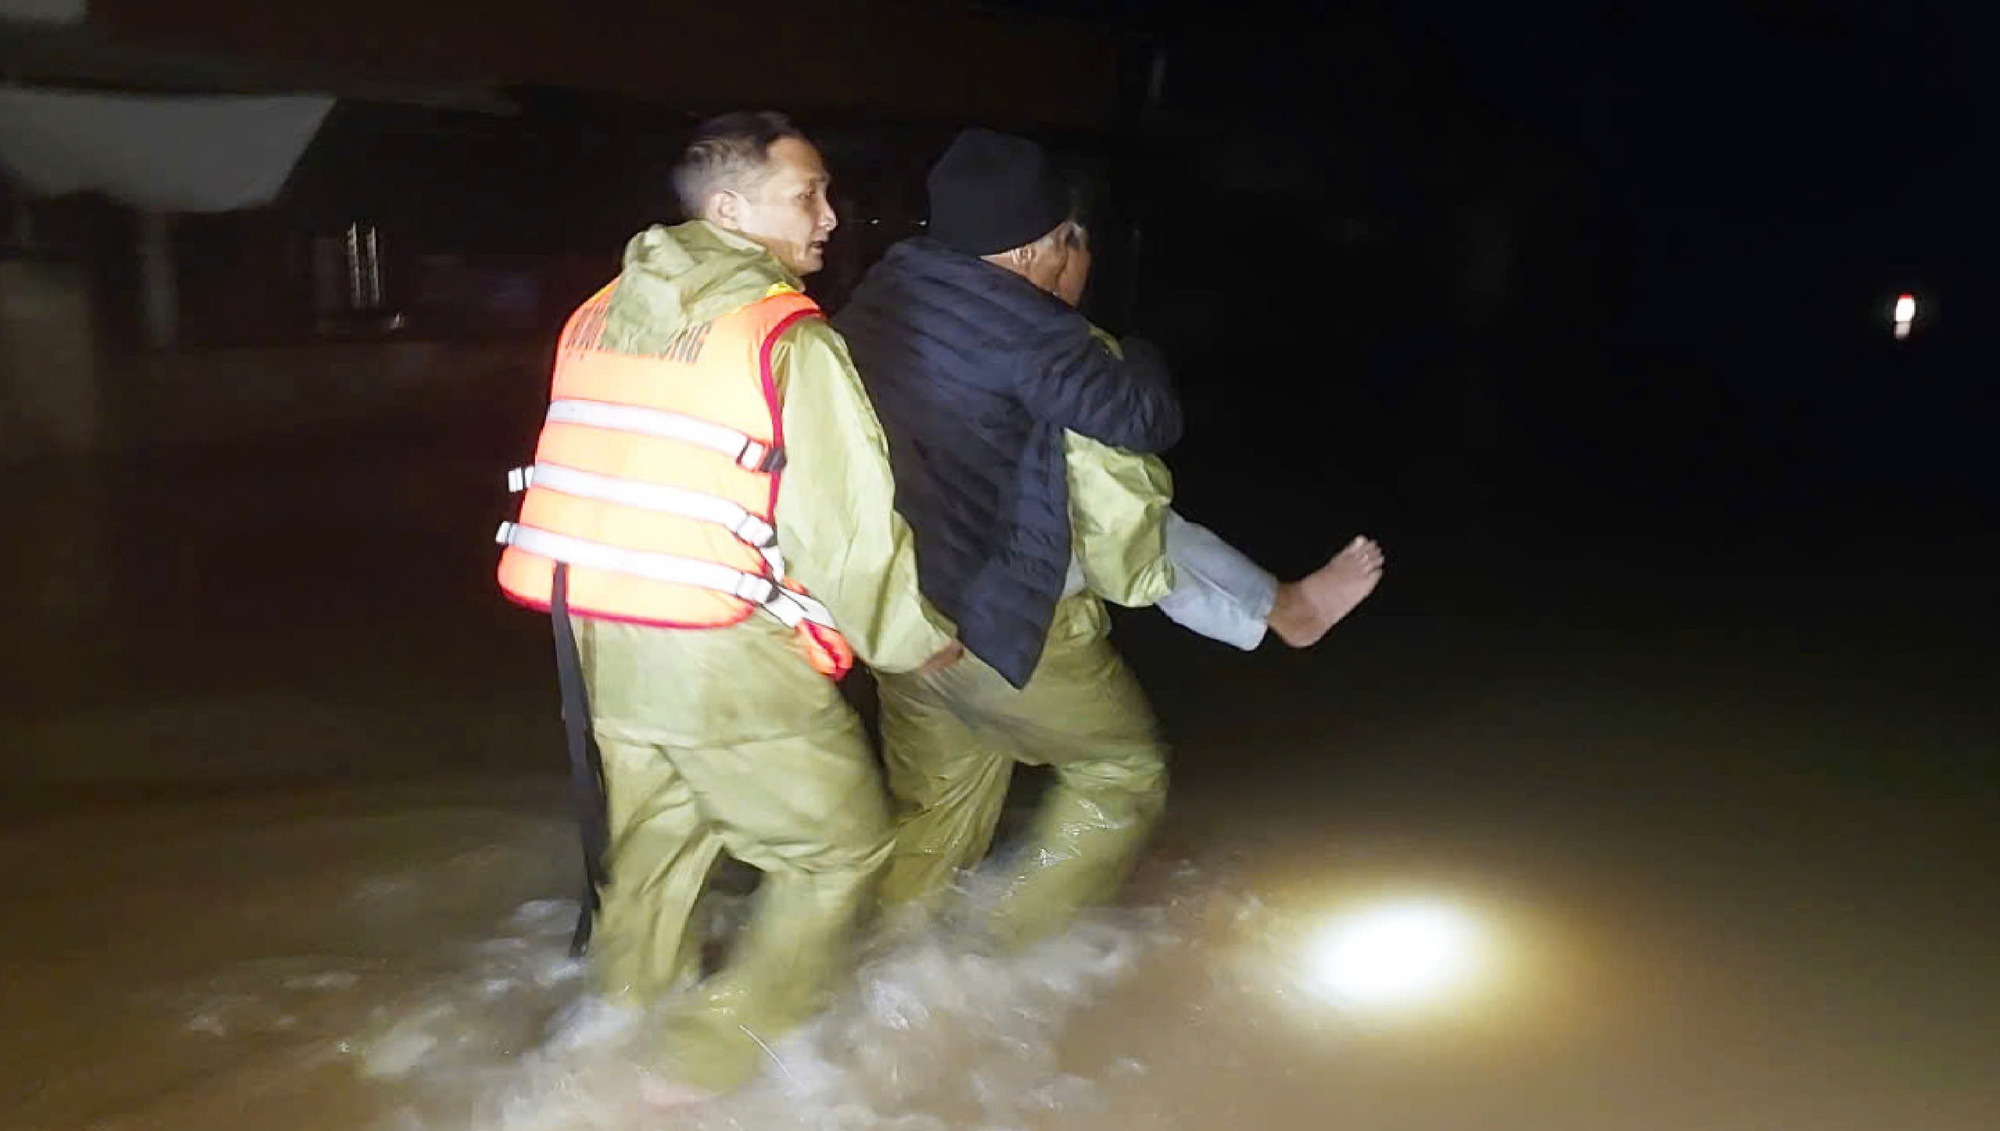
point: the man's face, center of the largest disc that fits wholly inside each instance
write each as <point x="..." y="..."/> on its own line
<point x="788" y="212"/>
<point x="1076" y="271"/>
<point x="1044" y="262"/>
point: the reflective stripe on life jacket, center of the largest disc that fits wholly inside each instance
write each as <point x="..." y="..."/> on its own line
<point x="656" y="481"/>
<point x="747" y="452"/>
<point x="790" y="606"/>
<point x="657" y="497"/>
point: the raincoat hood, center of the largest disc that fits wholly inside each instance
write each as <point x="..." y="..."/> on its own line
<point x="681" y="276"/>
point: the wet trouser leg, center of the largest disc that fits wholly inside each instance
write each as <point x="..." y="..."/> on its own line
<point x="806" y="810"/>
<point x="1219" y="592"/>
<point x="663" y="847"/>
<point x="949" y="787"/>
<point x="1082" y="713"/>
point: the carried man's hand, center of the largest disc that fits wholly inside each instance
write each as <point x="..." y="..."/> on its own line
<point x="951" y="654"/>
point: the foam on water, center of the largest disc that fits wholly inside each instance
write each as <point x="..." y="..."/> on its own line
<point x="933" y="1035"/>
<point x="929" y="1035"/>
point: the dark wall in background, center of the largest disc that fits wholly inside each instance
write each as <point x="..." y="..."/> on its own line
<point x="882" y="56"/>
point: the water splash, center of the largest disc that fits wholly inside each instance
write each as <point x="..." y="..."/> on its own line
<point x="930" y="1034"/>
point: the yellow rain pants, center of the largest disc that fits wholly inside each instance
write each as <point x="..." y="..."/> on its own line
<point x="950" y="742"/>
<point x="765" y="761"/>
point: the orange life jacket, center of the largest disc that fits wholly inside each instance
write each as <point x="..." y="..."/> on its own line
<point x="656" y="481"/>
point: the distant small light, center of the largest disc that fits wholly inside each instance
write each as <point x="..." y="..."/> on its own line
<point x="1906" y="314"/>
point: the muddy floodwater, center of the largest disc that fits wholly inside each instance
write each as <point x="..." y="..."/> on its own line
<point x="1719" y="857"/>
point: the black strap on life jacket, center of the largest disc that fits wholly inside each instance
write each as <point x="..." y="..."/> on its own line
<point x="586" y="763"/>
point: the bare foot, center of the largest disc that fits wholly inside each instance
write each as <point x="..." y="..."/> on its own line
<point x="1307" y="608"/>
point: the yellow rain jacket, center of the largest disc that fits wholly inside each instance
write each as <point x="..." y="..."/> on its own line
<point x="726" y="739"/>
<point x="1118" y="503"/>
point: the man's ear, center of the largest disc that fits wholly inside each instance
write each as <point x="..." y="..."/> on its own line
<point x="725" y="210"/>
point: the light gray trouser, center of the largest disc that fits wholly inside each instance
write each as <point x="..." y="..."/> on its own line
<point x="1218" y="591"/>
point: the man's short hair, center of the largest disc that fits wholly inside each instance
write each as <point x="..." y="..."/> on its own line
<point x="730" y="153"/>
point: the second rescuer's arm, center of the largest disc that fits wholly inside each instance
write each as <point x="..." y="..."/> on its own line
<point x="837" y="520"/>
<point x="1118" y="505"/>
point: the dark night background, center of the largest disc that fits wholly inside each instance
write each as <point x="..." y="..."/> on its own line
<point x="1580" y="309"/>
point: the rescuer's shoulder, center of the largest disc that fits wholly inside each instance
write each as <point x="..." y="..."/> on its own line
<point x="811" y="350"/>
<point x="812" y="333"/>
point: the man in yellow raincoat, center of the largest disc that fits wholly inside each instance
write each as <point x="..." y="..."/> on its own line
<point x="728" y="737"/>
<point x="959" y="335"/>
